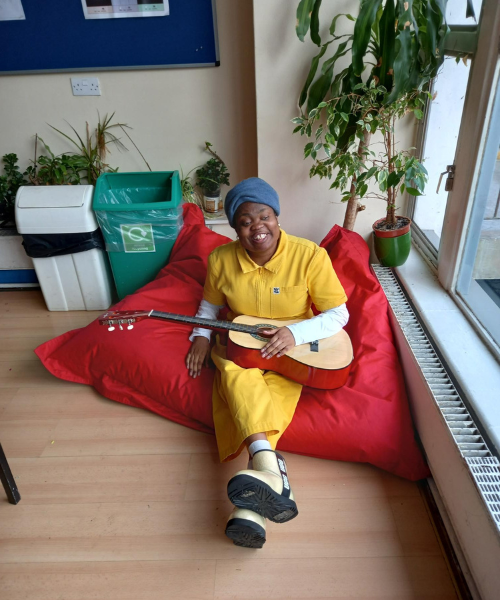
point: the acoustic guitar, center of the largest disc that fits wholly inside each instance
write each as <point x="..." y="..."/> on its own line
<point x="323" y="364"/>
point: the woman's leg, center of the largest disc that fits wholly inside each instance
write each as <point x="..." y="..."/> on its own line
<point x="249" y="405"/>
<point x="255" y="437"/>
<point x="252" y="407"/>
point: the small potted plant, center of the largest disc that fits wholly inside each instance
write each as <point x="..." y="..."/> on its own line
<point x="211" y="176"/>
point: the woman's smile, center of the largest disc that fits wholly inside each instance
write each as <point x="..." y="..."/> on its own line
<point x="259" y="237"/>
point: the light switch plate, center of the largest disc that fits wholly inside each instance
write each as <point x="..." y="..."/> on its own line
<point x="85" y="86"/>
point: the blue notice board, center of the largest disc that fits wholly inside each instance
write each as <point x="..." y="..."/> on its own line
<point x="56" y="37"/>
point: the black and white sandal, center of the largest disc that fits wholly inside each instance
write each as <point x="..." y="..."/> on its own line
<point x="266" y="489"/>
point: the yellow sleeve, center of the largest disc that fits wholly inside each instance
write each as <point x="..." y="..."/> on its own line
<point x="211" y="293"/>
<point x="325" y="289"/>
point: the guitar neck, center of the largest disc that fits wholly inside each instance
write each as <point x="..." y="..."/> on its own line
<point x="206" y="323"/>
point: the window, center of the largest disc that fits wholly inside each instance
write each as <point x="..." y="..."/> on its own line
<point x="460" y="230"/>
<point x="440" y="130"/>
<point x="479" y="276"/>
<point x="441" y="134"/>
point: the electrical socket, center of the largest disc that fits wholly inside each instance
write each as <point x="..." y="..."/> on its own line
<point x="85" y="86"/>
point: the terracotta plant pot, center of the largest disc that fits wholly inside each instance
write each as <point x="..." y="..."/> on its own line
<point x="392" y="247"/>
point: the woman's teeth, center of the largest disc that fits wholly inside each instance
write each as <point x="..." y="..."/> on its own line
<point x="259" y="237"/>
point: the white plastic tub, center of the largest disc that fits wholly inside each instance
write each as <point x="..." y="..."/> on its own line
<point x="79" y="281"/>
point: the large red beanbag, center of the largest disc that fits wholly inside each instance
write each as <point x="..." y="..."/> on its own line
<point x="367" y="420"/>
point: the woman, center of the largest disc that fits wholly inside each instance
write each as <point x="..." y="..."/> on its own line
<point x="269" y="274"/>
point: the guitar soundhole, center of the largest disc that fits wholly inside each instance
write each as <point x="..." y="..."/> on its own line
<point x="262" y="338"/>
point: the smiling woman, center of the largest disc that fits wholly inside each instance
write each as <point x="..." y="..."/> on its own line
<point x="268" y="274"/>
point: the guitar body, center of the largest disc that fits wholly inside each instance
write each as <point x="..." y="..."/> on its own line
<point x="326" y="369"/>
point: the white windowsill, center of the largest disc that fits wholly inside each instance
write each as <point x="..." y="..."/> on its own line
<point x="218" y="218"/>
<point x="474" y="366"/>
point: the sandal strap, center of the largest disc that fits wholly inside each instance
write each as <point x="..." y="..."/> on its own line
<point x="284" y="475"/>
<point x="283" y="472"/>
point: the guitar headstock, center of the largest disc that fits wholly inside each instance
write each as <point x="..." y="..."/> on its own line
<point x="122" y="317"/>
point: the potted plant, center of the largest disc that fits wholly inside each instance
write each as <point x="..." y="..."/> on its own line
<point x="49" y="169"/>
<point x="210" y="177"/>
<point x="10" y="182"/>
<point x="403" y="42"/>
<point x="391" y="170"/>
<point x="189" y="193"/>
<point x="92" y="152"/>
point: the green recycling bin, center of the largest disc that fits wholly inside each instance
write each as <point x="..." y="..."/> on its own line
<point x="140" y="215"/>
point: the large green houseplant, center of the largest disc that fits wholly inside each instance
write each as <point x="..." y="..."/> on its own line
<point x="390" y="170"/>
<point x="394" y="50"/>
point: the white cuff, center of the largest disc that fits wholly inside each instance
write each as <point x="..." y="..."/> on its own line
<point x="321" y="326"/>
<point x="206" y="310"/>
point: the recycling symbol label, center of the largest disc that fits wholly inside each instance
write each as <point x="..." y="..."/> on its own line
<point x="138" y="238"/>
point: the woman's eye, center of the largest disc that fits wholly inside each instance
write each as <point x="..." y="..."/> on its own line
<point x="265" y="218"/>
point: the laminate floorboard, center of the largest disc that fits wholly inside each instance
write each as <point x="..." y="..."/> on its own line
<point x="121" y="504"/>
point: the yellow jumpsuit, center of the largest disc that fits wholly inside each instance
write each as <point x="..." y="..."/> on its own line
<point x="247" y="401"/>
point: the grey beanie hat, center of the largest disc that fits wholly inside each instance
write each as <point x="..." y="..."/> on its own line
<point x="253" y="189"/>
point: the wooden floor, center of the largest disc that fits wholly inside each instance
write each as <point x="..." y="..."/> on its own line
<point x="118" y="503"/>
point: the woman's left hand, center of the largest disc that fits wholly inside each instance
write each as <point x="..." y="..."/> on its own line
<point x="279" y="344"/>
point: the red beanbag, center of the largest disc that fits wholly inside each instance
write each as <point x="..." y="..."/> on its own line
<point x="367" y="420"/>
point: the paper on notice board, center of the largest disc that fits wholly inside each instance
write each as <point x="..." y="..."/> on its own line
<point x="11" y="10"/>
<point x="112" y="9"/>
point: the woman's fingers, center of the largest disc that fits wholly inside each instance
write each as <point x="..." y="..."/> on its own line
<point x="194" y="363"/>
<point x="198" y="364"/>
<point x="276" y="350"/>
<point x="279" y="344"/>
<point x="273" y="347"/>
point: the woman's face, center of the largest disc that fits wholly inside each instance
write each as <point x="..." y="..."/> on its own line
<point x="258" y="230"/>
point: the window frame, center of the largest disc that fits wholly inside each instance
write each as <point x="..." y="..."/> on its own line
<point x="470" y="148"/>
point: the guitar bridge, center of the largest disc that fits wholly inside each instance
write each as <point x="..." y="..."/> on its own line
<point x="314" y="346"/>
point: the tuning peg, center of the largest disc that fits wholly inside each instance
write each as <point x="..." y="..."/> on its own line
<point x="111" y="328"/>
<point x="130" y="327"/>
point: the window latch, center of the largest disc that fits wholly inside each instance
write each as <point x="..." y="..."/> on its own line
<point x="448" y="186"/>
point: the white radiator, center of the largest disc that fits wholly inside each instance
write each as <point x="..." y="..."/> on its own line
<point x="465" y="471"/>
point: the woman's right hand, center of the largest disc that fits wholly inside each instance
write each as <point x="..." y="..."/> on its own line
<point x="198" y="355"/>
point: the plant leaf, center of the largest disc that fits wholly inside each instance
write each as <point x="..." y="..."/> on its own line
<point x="469" y="11"/>
<point x="363" y="190"/>
<point x="362" y="31"/>
<point x="394" y="178"/>
<point x="315" y="23"/>
<point x="304" y="10"/>
<point x="320" y="87"/>
<point x="387" y="45"/>
<point x="334" y="21"/>
<point x="413" y="191"/>
<point x="337" y="82"/>
<point x="312" y="73"/>
<point x="402" y="65"/>
<point x="330" y="63"/>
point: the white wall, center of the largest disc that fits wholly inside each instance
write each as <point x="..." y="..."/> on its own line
<point x="172" y="111"/>
<point x="309" y="208"/>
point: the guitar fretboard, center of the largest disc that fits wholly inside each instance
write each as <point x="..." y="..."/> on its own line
<point x="208" y="323"/>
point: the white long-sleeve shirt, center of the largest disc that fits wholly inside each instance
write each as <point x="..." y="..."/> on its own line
<point x="321" y="326"/>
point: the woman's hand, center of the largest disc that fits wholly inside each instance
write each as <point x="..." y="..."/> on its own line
<point x="279" y="344"/>
<point x="198" y="355"/>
